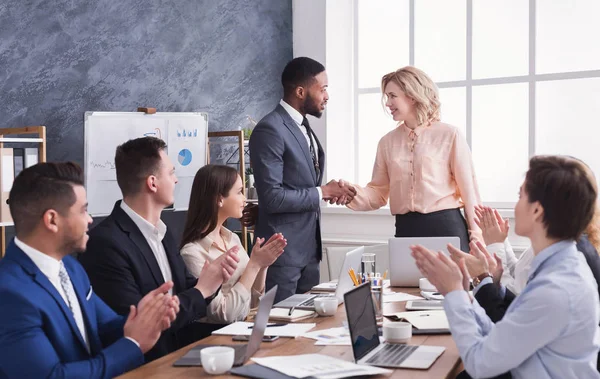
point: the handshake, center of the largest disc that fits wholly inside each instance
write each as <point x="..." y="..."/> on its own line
<point x="338" y="192"/>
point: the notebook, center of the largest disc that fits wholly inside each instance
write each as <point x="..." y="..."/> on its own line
<point x="282" y="314"/>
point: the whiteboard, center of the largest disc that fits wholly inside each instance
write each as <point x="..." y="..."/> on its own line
<point x="186" y="136"/>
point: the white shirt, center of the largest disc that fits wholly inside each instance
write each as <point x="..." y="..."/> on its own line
<point x="154" y="236"/>
<point x="50" y="267"/>
<point x="298" y="118"/>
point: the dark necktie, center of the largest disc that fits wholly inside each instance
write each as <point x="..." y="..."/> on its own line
<point x="313" y="152"/>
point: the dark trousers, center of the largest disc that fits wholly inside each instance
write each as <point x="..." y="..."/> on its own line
<point x="292" y="280"/>
<point x="445" y="223"/>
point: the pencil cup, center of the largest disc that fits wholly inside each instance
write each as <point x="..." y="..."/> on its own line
<point x="377" y="296"/>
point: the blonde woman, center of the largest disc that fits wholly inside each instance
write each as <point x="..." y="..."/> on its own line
<point x="423" y="166"/>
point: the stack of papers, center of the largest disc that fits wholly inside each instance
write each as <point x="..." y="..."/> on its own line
<point x="318" y="366"/>
<point x="425" y="319"/>
<point x="392" y="297"/>
<point x="326" y="287"/>
<point x="283" y="314"/>
<point x="334" y="336"/>
<point x="240" y="328"/>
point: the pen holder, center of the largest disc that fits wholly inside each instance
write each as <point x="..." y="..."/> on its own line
<point x="377" y="296"/>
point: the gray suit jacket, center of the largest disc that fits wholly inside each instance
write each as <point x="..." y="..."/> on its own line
<point x="286" y="182"/>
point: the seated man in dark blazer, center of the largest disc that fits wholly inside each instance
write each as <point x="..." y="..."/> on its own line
<point x="52" y="324"/>
<point x="131" y="252"/>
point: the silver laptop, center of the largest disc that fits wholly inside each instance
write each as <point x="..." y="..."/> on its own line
<point x="307" y="301"/>
<point x="403" y="269"/>
<point x="242" y="352"/>
<point x="367" y="348"/>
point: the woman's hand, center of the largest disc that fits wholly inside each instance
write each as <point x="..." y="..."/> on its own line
<point x="493" y="227"/>
<point x="264" y="254"/>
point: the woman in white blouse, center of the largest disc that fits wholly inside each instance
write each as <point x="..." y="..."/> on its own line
<point x="216" y="196"/>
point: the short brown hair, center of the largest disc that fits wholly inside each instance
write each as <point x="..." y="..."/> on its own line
<point x="211" y="182"/>
<point x="42" y="187"/>
<point x="135" y="160"/>
<point x="566" y="188"/>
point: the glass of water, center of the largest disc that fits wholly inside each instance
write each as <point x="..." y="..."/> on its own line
<point x="377" y="296"/>
<point x="367" y="264"/>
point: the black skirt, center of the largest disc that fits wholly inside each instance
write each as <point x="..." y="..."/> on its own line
<point x="445" y="223"/>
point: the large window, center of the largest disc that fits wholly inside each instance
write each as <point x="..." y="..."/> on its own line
<point x="518" y="77"/>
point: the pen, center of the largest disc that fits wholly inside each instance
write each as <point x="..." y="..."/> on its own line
<point x="269" y="325"/>
<point x="291" y="310"/>
<point x="385" y="275"/>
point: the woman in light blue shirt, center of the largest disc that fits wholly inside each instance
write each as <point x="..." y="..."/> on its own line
<point x="551" y="329"/>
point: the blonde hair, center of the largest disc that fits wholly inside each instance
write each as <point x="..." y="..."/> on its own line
<point x="419" y="87"/>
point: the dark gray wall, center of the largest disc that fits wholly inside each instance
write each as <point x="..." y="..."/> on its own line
<point x="60" y="58"/>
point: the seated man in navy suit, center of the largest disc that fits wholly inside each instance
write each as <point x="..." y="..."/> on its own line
<point x="52" y="324"/>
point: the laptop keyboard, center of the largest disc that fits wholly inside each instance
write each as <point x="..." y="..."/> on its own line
<point x="311" y="302"/>
<point x="392" y="354"/>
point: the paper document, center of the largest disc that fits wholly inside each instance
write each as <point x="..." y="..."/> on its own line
<point x="326" y="287"/>
<point x="240" y="328"/>
<point x="392" y="297"/>
<point x="318" y="366"/>
<point x="425" y="319"/>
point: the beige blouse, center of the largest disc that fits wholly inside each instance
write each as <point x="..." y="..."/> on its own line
<point x="424" y="170"/>
<point x="233" y="301"/>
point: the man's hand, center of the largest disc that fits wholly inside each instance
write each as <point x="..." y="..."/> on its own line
<point x="265" y="253"/>
<point x="249" y="215"/>
<point x="494" y="263"/>
<point x="476" y="264"/>
<point x="218" y="271"/>
<point x="145" y="325"/>
<point x="173" y="303"/>
<point x="493" y="228"/>
<point x="444" y="274"/>
<point x="340" y="193"/>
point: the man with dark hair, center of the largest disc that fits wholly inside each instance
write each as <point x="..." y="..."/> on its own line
<point x="551" y="329"/>
<point x="288" y="162"/>
<point x="131" y="252"/>
<point x="52" y="324"/>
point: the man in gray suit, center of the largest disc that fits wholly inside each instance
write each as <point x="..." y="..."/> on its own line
<point x="288" y="163"/>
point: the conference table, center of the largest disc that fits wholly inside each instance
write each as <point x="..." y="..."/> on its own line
<point x="448" y="365"/>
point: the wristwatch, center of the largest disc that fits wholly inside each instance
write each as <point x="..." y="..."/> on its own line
<point x="478" y="279"/>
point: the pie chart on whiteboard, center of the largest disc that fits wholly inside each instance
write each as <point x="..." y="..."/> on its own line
<point x="184" y="157"/>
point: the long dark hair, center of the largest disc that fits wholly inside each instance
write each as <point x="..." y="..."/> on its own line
<point x="210" y="183"/>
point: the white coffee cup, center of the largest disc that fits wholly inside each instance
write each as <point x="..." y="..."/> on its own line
<point x="397" y="332"/>
<point x="425" y="285"/>
<point x="326" y="306"/>
<point x="217" y="360"/>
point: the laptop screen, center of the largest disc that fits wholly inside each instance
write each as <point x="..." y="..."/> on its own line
<point x="260" y="321"/>
<point x="361" y="320"/>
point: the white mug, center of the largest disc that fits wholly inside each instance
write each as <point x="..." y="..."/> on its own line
<point x="425" y="285"/>
<point x="217" y="360"/>
<point x="397" y="332"/>
<point x="326" y="306"/>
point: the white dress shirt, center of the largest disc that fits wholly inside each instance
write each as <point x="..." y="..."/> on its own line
<point x="298" y="118"/>
<point x="154" y="236"/>
<point x="50" y="267"/>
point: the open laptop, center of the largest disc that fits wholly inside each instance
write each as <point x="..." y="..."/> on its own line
<point x="367" y="348"/>
<point x="242" y="352"/>
<point x="307" y="301"/>
<point x="403" y="269"/>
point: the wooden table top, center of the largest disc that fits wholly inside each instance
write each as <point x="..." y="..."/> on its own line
<point x="448" y="365"/>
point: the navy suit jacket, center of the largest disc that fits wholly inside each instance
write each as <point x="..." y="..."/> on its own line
<point x="123" y="269"/>
<point x="38" y="334"/>
<point x="286" y="182"/>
